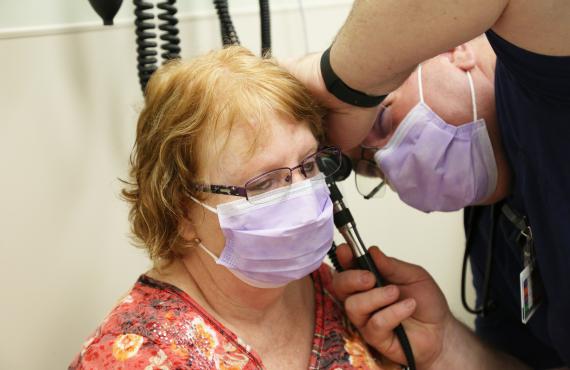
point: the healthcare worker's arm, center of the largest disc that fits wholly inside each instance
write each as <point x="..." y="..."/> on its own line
<point x="381" y="43"/>
<point x="439" y="340"/>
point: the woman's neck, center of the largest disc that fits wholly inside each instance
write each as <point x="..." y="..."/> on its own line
<point x="277" y="323"/>
<point x="229" y="299"/>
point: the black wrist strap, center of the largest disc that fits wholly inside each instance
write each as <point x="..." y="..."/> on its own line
<point x="342" y="91"/>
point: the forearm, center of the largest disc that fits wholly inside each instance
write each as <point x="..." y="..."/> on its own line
<point x="382" y="41"/>
<point x="364" y="68"/>
<point x="463" y="350"/>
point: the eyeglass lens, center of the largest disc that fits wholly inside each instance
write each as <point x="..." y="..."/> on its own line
<point x="282" y="177"/>
<point x="368" y="179"/>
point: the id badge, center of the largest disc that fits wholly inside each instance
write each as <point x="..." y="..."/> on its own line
<point x="530" y="285"/>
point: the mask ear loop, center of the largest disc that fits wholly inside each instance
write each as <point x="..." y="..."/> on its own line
<point x="420" y="85"/>
<point x="209" y="208"/>
<point x="202" y="209"/>
<point x="199" y="243"/>
<point x="473" y="99"/>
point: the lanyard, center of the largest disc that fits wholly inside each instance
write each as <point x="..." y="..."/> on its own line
<point x="525" y="238"/>
<point x="531" y="287"/>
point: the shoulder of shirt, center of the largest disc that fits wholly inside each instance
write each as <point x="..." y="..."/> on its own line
<point x="114" y="349"/>
<point x="147" y="309"/>
<point x="152" y="322"/>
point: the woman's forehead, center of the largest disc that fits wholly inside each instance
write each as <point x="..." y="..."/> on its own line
<point x="249" y="148"/>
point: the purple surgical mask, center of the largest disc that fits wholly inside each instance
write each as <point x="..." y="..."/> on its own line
<point x="281" y="239"/>
<point x="435" y="166"/>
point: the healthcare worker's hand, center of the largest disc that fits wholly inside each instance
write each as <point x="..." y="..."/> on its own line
<point x="346" y="125"/>
<point x="412" y="297"/>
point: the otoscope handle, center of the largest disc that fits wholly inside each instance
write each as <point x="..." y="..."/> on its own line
<point x="346" y="226"/>
<point x="365" y="262"/>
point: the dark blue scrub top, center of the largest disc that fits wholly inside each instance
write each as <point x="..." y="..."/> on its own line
<point x="533" y="108"/>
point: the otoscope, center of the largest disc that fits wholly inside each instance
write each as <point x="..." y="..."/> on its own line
<point x="346" y="225"/>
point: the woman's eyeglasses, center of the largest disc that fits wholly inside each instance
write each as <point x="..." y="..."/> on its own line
<point x="325" y="161"/>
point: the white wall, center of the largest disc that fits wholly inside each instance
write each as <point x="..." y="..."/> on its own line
<point x="69" y="97"/>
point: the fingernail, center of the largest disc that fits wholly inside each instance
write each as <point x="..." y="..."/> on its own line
<point x="410" y="303"/>
<point x="390" y="290"/>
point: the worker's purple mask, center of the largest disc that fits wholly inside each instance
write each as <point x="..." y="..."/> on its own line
<point x="435" y="166"/>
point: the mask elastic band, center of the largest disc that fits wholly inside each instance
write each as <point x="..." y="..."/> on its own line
<point x="473" y="100"/>
<point x="207" y="251"/>
<point x="471" y="88"/>
<point x="209" y="208"/>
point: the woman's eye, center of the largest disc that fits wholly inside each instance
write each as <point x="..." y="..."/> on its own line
<point x="264" y="184"/>
<point x="310" y="167"/>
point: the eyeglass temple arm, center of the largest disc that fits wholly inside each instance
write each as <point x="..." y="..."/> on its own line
<point x="221" y="189"/>
<point x="374" y="191"/>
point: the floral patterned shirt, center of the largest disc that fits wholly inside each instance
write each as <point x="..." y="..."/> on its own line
<point x="158" y="326"/>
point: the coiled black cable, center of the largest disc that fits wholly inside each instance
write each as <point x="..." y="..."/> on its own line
<point x="146" y="59"/>
<point x="486" y="303"/>
<point x="346" y="225"/>
<point x="229" y="35"/>
<point x="334" y="259"/>
<point x="265" y="21"/>
<point x="168" y="25"/>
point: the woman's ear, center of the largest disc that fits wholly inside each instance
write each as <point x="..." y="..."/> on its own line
<point x="186" y="227"/>
<point x="463" y="56"/>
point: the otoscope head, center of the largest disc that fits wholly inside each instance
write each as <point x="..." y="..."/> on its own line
<point x="328" y="163"/>
<point x="344" y="170"/>
<point x="107" y="9"/>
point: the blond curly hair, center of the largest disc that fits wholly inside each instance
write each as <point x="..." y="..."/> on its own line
<point x="190" y="104"/>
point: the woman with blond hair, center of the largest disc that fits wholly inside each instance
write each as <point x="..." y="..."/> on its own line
<point x="228" y="200"/>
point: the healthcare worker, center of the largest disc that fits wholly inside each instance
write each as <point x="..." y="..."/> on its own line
<point x="528" y="300"/>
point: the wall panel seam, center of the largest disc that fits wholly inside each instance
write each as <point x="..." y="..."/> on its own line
<point x="84" y="27"/>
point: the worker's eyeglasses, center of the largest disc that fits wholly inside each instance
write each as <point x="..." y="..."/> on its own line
<point x="256" y="188"/>
<point x="367" y="175"/>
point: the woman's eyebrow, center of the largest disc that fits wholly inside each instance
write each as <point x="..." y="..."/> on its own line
<point x="311" y="150"/>
<point x="273" y="164"/>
